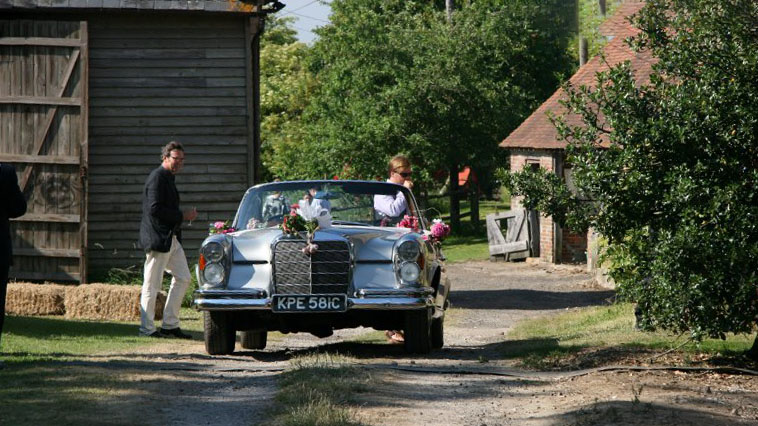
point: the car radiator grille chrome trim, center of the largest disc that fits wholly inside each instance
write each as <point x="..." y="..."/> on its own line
<point x="327" y="271"/>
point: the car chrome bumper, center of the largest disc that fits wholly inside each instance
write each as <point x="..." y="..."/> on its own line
<point x="365" y="299"/>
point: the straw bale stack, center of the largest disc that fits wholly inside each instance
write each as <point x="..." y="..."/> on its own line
<point x="108" y="302"/>
<point x="35" y="299"/>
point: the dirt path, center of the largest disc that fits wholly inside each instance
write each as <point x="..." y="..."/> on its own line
<point x="179" y="384"/>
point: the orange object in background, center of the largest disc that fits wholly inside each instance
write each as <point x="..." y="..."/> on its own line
<point x="467" y="178"/>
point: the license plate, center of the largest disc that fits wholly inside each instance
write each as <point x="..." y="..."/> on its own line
<point x="309" y="303"/>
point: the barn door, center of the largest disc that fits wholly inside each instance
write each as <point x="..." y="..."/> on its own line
<point x="43" y="133"/>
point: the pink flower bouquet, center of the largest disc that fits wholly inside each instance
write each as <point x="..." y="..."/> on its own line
<point x="220" y="227"/>
<point x="409" y="222"/>
<point x="438" y="232"/>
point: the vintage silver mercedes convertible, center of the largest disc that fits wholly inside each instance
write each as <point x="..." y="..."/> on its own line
<point x="360" y="269"/>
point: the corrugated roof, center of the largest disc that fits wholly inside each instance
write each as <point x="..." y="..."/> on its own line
<point x="537" y="132"/>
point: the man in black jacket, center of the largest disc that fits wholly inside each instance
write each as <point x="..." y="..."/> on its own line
<point x="161" y="237"/>
<point x="12" y="204"/>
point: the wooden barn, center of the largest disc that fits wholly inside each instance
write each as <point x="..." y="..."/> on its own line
<point x="90" y="90"/>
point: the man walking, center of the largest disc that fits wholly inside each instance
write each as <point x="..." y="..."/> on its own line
<point x="12" y="204"/>
<point x="161" y="237"/>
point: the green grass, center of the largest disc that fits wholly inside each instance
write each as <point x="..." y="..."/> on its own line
<point x="53" y="338"/>
<point x="605" y="335"/>
<point x="319" y="390"/>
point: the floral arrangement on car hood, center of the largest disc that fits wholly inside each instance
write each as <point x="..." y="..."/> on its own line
<point x="307" y="218"/>
<point x="438" y="232"/>
<point x="409" y="222"/>
<point x="220" y="227"/>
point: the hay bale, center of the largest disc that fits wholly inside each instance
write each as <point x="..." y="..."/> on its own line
<point x="108" y="302"/>
<point x="35" y="299"/>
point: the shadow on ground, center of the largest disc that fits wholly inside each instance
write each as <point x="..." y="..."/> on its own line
<point x="119" y="394"/>
<point x="637" y="412"/>
<point x="529" y="299"/>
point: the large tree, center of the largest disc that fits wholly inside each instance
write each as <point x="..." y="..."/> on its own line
<point x="675" y="192"/>
<point x="286" y="85"/>
<point x="396" y="76"/>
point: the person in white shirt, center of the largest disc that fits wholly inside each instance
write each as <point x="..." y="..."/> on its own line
<point x="395" y="206"/>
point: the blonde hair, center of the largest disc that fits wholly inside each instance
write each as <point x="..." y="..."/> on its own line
<point x="397" y="162"/>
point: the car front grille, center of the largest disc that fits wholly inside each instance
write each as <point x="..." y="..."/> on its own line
<point x="325" y="272"/>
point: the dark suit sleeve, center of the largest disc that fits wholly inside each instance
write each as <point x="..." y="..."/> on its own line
<point x="157" y="200"/>
<point x="16" y="205"/>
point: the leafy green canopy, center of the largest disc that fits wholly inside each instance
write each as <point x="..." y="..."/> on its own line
<point x="675" y="193"/>
<point x="395" y="76"/>
<point x="286" y="86"/>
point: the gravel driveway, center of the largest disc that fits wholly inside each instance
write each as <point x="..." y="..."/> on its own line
<point x="179" y="384"/>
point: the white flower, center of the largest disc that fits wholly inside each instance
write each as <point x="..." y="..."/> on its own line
<point x="310" y="212"/>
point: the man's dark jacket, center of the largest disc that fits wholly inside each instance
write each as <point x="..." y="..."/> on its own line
<point x="161" y="216"/>
<point x="12" y="204"/>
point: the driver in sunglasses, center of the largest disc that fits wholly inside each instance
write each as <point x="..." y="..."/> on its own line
<point x="389" y="206"/>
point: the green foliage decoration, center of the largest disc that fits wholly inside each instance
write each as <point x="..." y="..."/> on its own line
<point x="675" y="182"/>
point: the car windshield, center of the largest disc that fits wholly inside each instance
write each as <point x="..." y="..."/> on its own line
<point x="348" y="202"/>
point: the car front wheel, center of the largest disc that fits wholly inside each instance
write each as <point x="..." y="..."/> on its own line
<point x="418" y="331"/>
<point x="218" y="332"/>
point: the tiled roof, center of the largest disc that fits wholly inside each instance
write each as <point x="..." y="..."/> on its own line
<point x="537" y="132"/>
<point x="618" y="24"/>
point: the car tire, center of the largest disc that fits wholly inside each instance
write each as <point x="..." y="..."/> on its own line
<point x="418" y="331"/>
<point x="254" y="339"/>
<point x="218" y="333"/>
<point x="438" y="332"/>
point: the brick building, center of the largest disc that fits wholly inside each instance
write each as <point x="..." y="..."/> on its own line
<point x="535" y="142"/>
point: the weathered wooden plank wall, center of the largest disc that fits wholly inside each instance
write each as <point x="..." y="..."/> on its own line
<point x="154" y="79"/>
<point x="41" y="131"/>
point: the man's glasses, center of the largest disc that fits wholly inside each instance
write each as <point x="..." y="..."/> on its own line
<point x="405" y="175"/>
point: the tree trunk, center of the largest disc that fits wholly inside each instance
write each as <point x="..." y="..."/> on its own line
<point x="455" y="204"/>
<point x="474" y="201"/>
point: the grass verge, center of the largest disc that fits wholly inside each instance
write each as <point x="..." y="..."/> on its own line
<point x="318" y="391"/>
<point x="605" y="335"/>
<point x="53" y="338"/>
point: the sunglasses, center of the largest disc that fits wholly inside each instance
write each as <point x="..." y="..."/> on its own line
<point x="405" y="175"/>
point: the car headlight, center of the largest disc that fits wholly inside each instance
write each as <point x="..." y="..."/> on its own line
<point x="408" y="251"/>
<point x="409" y="272"/>
<point x="213" y="252"/>
<point x="213" y="274"/>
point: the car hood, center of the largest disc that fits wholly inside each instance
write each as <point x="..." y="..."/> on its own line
<point x="369" y="243"/>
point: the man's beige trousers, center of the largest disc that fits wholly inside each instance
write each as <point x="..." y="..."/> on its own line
<point x="175" y="263"/>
